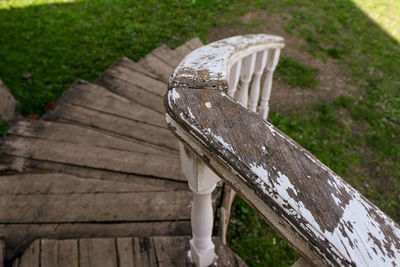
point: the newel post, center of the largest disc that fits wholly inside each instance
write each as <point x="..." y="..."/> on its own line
<point x="202" y="182"/>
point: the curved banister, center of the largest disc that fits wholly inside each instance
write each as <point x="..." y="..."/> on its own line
<point x="323" y="218"/>
<point x="210" y="64"/>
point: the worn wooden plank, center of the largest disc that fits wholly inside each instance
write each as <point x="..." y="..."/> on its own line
<point x="73" y="133"/>
<point x="128" y="63"/>
<point x="157" y="66"/>
<point x="125" y="251"/>
<point x="96" y="252"/>
<point x="319" y="214"/>
<point x="2" y="252"/>
<point x="171" y="251"/>
<point x="173" y="57"/>
<point x="92" y="157"/>
<point x="68" y="253"/>
<point x="59" y="183"/>
<point x="49" y="253"/>
<point x="165" y="54"/>
<point x="194" y="43"/>
<point x="301" y="263"/>
<point x="99" y="120"/>
<point x="142" y="183"/>
<point x="100" y="99"/>
<point x="31" y="256"/>
<point x="182" y="50"/>
<point x="131" y="91"/>
<point x="139" y="80"/>
<point x="95" y="207"/>
<point x="226" y="257"/>
<point x="144" y="252"/>
<point x="19" y="236"/>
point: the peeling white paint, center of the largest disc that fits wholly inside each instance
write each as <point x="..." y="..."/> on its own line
<point x="310" y="158"/>
<point x="356" y="213"/>
<point x="212" y="61"/>
<point x="208" y="105"/>
<point x="225" y="144"/>
<point x="189" y="255"/>
<point x="174" y="94"/>
<point x="190" y="113"/>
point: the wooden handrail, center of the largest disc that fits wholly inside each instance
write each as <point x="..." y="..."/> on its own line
<point x="321" y="216"/>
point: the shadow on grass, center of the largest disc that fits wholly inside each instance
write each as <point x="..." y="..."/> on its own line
<point x="59" y="43"/>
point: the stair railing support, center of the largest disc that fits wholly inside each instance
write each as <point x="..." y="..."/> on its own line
<point x="202" y="181"/>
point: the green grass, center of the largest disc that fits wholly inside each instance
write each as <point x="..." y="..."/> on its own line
<point x="357" y="136"/>
<point x="296" y="74"/>
<point x="59" y="43"/>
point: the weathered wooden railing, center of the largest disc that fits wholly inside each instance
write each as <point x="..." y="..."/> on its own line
<point x="319" y="214"/>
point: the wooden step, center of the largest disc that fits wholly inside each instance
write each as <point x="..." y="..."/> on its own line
<point x="157" y="66"/>
<point x="67" y="206"/>
<point x="119" y="252"/>
<point x="162" y="61"/>
<point x="93" y="205"/>
<point x="154" y="135"/>
<point x="79" y="134"/>
<point x="134" y="86"/>
<point x="126" y="62"/>
<point x="60" y="183"/>
<point x="98" y="98"/>
<point x="90" y="156"/>
<point x="11" y="165"/>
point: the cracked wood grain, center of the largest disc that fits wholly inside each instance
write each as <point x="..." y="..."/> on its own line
<point x="323" y="217"/>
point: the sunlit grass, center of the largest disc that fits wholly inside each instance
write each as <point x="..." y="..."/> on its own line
<point x="386" y="13"/>
<point x="7" y="4"/>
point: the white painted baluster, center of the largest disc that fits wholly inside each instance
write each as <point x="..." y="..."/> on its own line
<point x="202" y="182"/>
<point x="245" y="78"/>
<point x="261" y="60"/>
<point x="272" y="61"/>
<point x="234" y="75"/>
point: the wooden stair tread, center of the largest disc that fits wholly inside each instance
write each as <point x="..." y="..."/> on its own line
<point x="100" y="99"/>
<point x="194" y="43"/>
<point x="165" y="54"/>
<point x="74" y="133"/>
<point x="162" y="61"/>
<point x="134" y="86"/>
<point x="91" y="156"/>
<point x="61" y="183"/>
<point x="128" y="63"/>
<point x="19" y="236"/>
<point x="13" y="163"/>
<point x="157" y="66"/>
<point x="95" y="206"/>
<point x="119" y="252"/>
<point x="142" y="81"/>
<point x="141" y="131"/>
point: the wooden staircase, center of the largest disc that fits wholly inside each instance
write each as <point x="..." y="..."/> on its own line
<point x="97" y="180"/>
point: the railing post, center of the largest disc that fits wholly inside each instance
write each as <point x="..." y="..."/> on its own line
<point x="202" y="181"/>
<point x="272" y="61"/>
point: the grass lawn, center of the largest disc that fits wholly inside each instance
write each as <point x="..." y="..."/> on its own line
<point x="358" y="135"/>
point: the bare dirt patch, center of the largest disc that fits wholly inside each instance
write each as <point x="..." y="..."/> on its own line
<point x="333" y="81"/>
